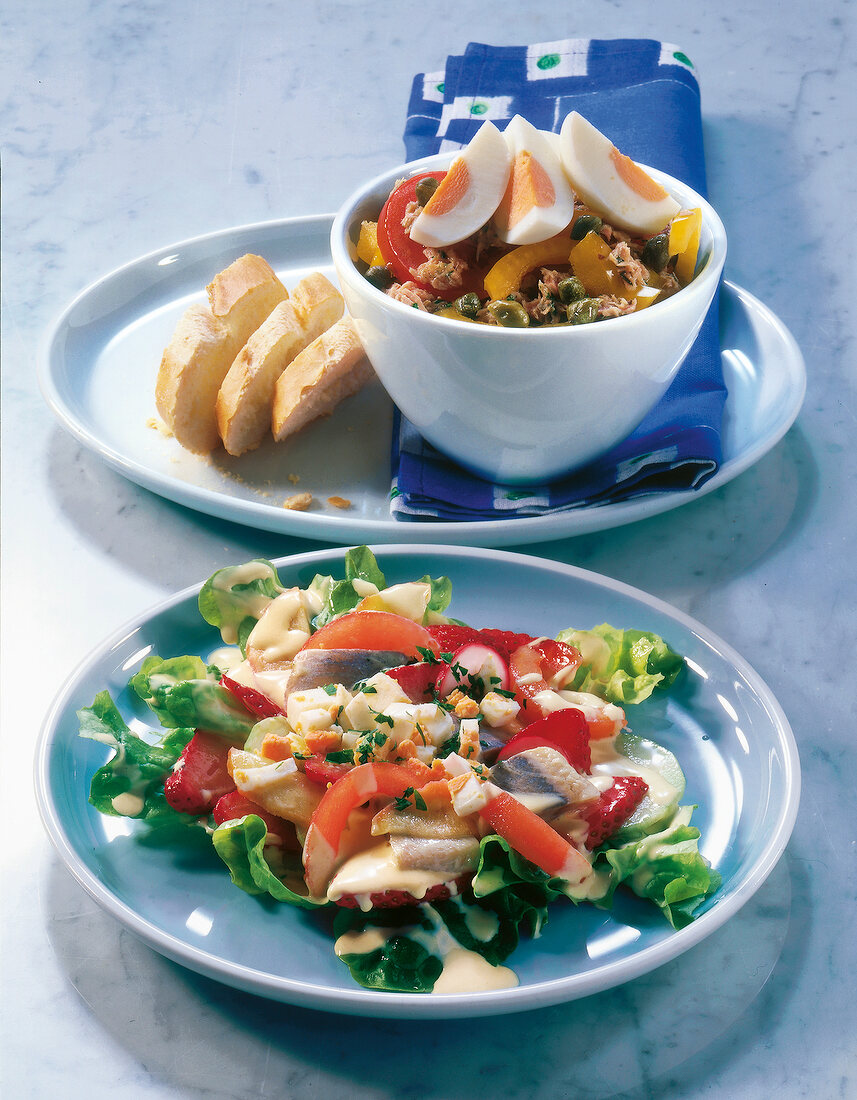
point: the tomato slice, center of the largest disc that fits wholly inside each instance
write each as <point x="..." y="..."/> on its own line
<point x="374" y="630"/>
<point x="534" y="839"/>
<point x="328" y="822"/>
<point x="564" y="730"/>
<point x="323" y="771"/>
<point x="402" y="255"/>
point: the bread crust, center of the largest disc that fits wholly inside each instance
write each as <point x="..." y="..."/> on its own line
<point x="204" y="345"/>
<point x="332" y="367"/>
<point x="247" y="392"/>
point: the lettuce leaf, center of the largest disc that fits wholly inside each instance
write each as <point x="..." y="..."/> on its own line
<point x="441" y="594"/>
<point x="341" y="595"/>
<point x="131" y="783"/>
<point x="401" y="964"/>
<point x="235" y="605"/>
<point x="179" y="692"/>
<point x="241" y="846"/>
<point x="667" y="868"/>
<point x="622" y="666"/>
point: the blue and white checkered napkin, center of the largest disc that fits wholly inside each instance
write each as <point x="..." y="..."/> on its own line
<point x="644" y="96"/>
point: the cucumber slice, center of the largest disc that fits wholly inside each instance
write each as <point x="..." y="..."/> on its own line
<point x="660" y="804"/>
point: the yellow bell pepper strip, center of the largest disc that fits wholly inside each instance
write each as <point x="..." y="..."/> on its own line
<point x="645" y="296"/>
<point x="684" y="243"/>
<point x="367" y="245"/>
<point x="506" y="275"/>
<point x="593" y="265"/>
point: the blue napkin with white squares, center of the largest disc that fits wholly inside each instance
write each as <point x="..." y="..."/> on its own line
<point x="645" y="97"/>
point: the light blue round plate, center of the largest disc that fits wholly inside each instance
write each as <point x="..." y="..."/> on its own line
<point x="721" y="721"/>
<point x="99" y="362"/>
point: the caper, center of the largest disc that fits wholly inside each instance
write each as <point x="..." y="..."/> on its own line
<point x="380" y="276"/>
<point x="509" y="314"/>
<point x="656" y="252"/>
<point x="571" y="289"/>
<point x="583" y="312"/>
<point x="468" y="304"/>
<point x="586" y="223"/>
<point x="425" y="189"/>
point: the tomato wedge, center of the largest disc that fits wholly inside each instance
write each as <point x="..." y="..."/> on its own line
<point x="534" y="839"/>
<point x="564" y="730"/>
<point x="402" y="255"/>
<point x="374" y="630"/>
<point x="328" y="822"/>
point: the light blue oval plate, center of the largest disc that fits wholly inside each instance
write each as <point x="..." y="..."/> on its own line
<point x="721" y="721"/>
<point x="99" y="362"/>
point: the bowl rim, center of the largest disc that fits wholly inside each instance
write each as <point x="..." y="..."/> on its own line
<point x="348" y="273"/>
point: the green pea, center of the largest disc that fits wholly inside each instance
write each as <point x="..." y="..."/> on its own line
<point x="586" y="223"/>
<point x="656" y="252"/>
<point x="571" y="290"/>
<point x="425" y="189"/>
<point x="468" y="304"/>
<point x="380" y="276"/>
<point x="509" y="314"/>
<point x="583" y="312"/>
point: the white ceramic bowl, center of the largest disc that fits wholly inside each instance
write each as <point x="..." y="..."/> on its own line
<point x="523" y="406"/>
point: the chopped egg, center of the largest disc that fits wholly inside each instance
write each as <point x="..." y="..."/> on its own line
<point x="609" y="182"/>
<point x="538" y="201"/>
<point x="469" y="193"/>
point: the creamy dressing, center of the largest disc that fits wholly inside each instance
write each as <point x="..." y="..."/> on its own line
<point x="606" y="761"/>
<point x="282" y="630"/>
<point x="128" y="804"/>
<point x="254" y="603"/>
<point x="375" y="871"/>
<point x="467" y="972"/>
<point x="226" y="658"/>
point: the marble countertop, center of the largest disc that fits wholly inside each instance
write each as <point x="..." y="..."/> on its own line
<point x="128" y="127"/>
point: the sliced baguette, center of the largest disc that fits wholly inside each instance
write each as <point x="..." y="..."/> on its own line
<point x="247" y="393"/>
<point x="331" y="368"/>
<point x="204" y="345"/>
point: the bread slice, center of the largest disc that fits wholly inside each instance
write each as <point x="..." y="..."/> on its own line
<point x="204" y="345"/>
<point x="245" y="397"/>
<point x="333" y="367"/>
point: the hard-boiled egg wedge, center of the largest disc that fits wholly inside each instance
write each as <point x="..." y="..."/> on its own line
<point x="538" y="201"/>
<point x="469" y="193"/>
<point x="611" y="183"/>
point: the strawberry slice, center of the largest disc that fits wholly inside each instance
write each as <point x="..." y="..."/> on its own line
<point x="419" y="681"/>
<point x="453" y="636"/>
<point x="200" y="776"/>
<point x="255" y="701"/>
<point x="235" y="805"/>
<point x="395" y="899"/>
<point x="613" y="808"/>
<point x="564" y="730"/>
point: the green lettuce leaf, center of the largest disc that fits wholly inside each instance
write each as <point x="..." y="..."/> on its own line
<point x="667" y="868"/>
<point x="441" y="594"/>
<point x="622" y="666"/>
<point x="241" y="846"/>
<point x="402" y="964"/>
<point x="341" y="595"/>
<point x="180" y="693"/>
<point x="235" y="605"/>
<point x="131" y="783"/>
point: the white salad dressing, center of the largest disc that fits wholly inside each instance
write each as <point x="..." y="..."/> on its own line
<point x="128" y="804"/>
<point x="374" y="871"/>
<point x="467" y="972"/>
<point x="607" y="761"/>
<point x="226" y="658"/>
<point x="283" y="629"/>
<point x="226" y="579"/>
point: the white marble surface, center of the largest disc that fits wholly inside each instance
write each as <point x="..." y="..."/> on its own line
<point x="125" y="127"/>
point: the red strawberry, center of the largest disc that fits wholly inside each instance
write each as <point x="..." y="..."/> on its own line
<point x="255" y="701"/>
<point x="613" y="808"/>
<point x="419" y="680"/>
<point x="200" y="777"/>
<point x="233" y="805"/>
<point x="452" y="636"/>
<point x="394" y="899"/>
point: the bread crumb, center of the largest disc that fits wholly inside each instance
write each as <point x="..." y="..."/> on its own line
<point x="339" y="502"/>
<point x="159" y="426"/>
<point x="299" y="502"/>
<point x="294" y="478"/>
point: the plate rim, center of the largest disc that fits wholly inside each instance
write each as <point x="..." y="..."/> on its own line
<point x="335" y="528"/>
<point x="385" y="1004"/>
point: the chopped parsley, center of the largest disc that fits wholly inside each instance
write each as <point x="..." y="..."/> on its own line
<point x="343" y="756"/>
<point x="403" y="803"/>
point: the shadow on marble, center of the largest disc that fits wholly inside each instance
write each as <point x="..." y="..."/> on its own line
<point x="680" y="553"/>
<point x="191" y="1033"/>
